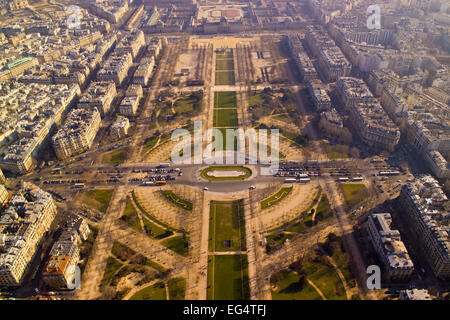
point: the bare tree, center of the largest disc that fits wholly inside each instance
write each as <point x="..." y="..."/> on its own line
<point x="354" y="152"/>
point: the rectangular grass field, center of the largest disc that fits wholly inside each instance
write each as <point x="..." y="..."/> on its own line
<point x="225" y="99"/>
<point x="224" y="64"/>
<point x="227" y="226"/>
<point x="228" y="278"/>
<point x="224" y="78"/>
<point x="225" y="118"/>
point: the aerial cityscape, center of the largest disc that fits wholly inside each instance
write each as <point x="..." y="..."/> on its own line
<point x="224" y="150"/>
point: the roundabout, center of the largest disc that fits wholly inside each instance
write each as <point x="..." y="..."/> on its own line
<point x="226" y="173"/>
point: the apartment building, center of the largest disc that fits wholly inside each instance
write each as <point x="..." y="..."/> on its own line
<point x="438" y="165"/>
<point x="33" y="111"/>
<point x="111" y="10"/>
<point x="389" y="247"/>
<point x="78" y="225"/>
<point x="119" y="129"/>
<point x="2" y="177"/>
<point x="155" y="46"/>
<point x="317" y="39"/>
<point x="4" y="195"/>
<point x="132" y="43"/>
<point x="305" y="66"/>
<point x="144" y="71"/>
<point x="319" y="96"/>
<point x="78" y="132"/>
<point x="332" y="117"/>
<point x="392" y="103"/>
<point x="130" y="103"/>
<point x="116" y="68"/>
<point x="414" y="294"/>
<point x="427" y="137"/>
<point x="333" y="64"/>
<point x="17" y="157"/>
<point x="23" y="224"/>
<point x="424" y="205"/>
<point x="59" y="271"/>
<point x="352" y="91"/>
<point x="374" y="126"/>
<point x="99" y="95"/>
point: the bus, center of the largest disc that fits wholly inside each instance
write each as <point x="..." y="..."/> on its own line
<point x="388" y="173"/>
<point x="164" y="164"/>
<point x="290" y="180"/>
<point x="357" y="178"/>
<point x="78" y="185"/>
<point x="160" y="183"/>
<point x="148" y="183"/>
<point x="343" y="179"/>
<point x="304" y="180"/>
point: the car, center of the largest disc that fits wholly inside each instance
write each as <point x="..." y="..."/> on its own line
<point x="252" y="187"/>
<point x="205" y="188"/>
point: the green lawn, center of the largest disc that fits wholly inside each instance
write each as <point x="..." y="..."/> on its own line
<point x="112" y="265"/>
<point x="225" y="99"/>
<point x="275" y="198"/>
<point x="177" y="244"/>
<point x="327" y="280"/>
<point x="130" y="216"/>
<point x="228" y="278"/>
<point x="177" y="288"/>
<point x="276" y="240"/>
<point x="101" y="199"/>
<point x="224" y="64"/>
<point x="289" y="288"/>
<point x="154" y="231"/>
<point x="153" y="292"/>
<point x="116" y="156"/>
<point x="290" y="285"/>
<point x="186" y="104"/>
<point x="323" y="209"/>
<point x="149" y="263"/>
<point x="176" y="200"/>
<point x="204" y="173"/>
<point x="150" y="143"/>
<point x="224" y="78"/>
<point x="227" y="224"/>
<point x="255" y="98"/>
<point x="354" y="193"/>
<point x="225" y="118"/>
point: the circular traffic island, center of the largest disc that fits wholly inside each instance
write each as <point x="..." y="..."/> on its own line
<point x="226" y="173"/>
